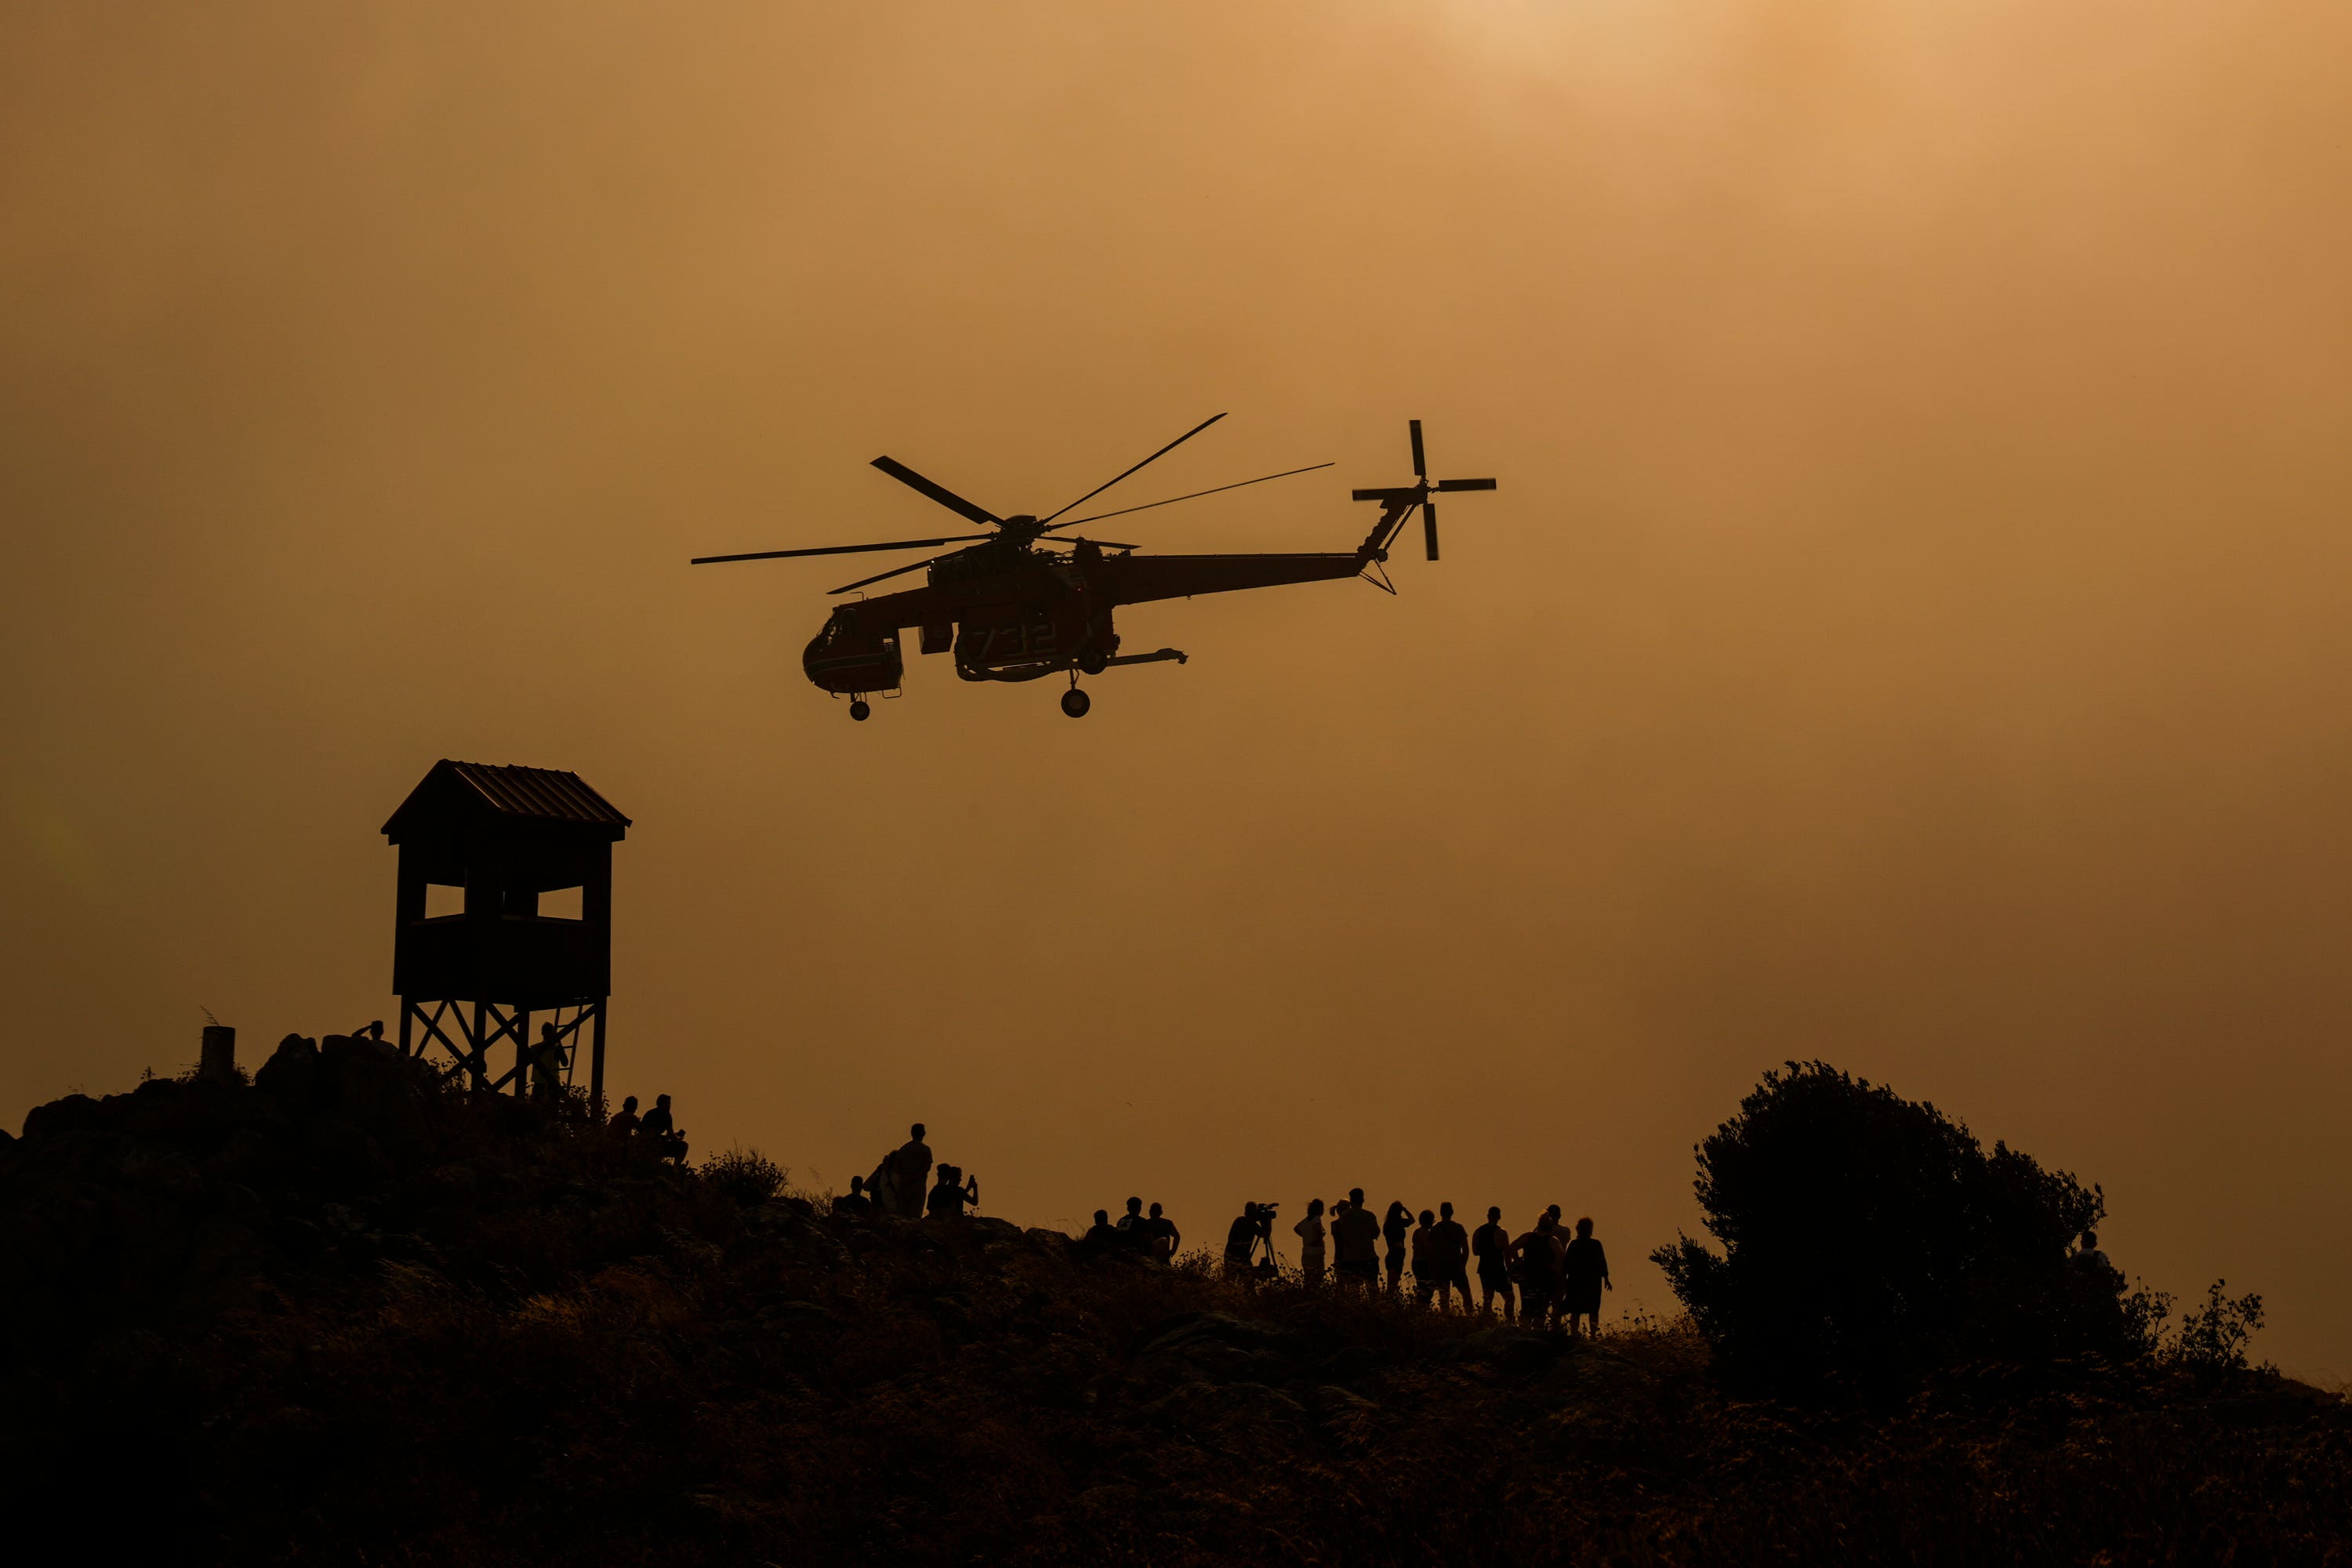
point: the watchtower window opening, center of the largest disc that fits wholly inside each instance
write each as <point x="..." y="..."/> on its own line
<point x="444" y="901"/>
<point x="559" y="904"/>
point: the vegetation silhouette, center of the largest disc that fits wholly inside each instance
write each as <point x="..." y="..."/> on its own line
<point x="1869" y="1239"/>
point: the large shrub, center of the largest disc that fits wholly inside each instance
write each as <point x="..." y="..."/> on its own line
<point x="1866" y="1236"/>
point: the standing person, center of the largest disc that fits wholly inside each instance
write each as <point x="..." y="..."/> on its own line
<point x="910" y="1167"/>
<point x="547" y="1064"/>
<point x="1131" y="1229"/>
<point x="1309" y="1232"/>
<point x="1456" y="1245"/>
<point x="1583" y="1273"/>
<point x="1395" y="1229"/>
<point x="1355" y="1242"/>
<point x="1161" y="1236"/>
<point x="1429" y="1262"/>
<point x="1253" y="1225"/>
<point x="1491" y="1245"/>
<point x="1536" y="1265"/>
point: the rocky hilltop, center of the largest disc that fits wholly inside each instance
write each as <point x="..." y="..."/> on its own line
<point x="340" y="1315"/>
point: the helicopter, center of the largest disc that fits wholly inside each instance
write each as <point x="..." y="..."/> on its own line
<point x="1024" y="600"/>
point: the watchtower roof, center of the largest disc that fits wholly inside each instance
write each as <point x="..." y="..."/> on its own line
<point x="455" y="789"/>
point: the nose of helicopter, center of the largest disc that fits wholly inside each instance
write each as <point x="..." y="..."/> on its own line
<point x="843" y="658"/>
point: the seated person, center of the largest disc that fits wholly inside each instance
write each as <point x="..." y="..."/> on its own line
<point x="669" y="1142"/>
<point x="952" y="1193"/>
<point x="854" y="1204"/>
<point x="1102" y="1238"/>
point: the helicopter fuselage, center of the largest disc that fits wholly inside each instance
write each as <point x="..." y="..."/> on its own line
<point x="1009" y="611"/>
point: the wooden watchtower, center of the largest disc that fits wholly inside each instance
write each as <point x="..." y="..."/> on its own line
<point x="505" y="910"/>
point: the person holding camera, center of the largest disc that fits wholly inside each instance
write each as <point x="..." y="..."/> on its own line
<point x="1255" y="1225"/>
<point x="954" y="1193"/>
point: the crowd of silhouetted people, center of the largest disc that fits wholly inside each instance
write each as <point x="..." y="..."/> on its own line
<point x="1152" y="1236"/>
<point x="658" y="1127"/>
<point x="898" y="1185"/>
<point x="1550" y="1274"/>
<point x="1543" y="1276"/>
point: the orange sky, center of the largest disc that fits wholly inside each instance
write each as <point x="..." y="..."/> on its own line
<point x="1910" y="631"/>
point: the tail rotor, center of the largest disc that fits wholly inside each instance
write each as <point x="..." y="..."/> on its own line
<point x="1398" y="502"/>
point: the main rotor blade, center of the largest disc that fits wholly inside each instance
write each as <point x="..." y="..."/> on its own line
<point x="838" y="549"/>
<point x="894" y="571"/>
<point x="1429" y="527"/>
<point x="1155" y="456"/>
<point x="1105" y="543"/>
<point x="939" y="493"/>
<point x="1465" y="485"/>
<point x="1420" y="468"/>
<point x="1172" y="500"/>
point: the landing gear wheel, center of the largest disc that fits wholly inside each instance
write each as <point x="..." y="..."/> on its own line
<point x="1075" y="703"/>
<point x="859" y="711"/>
<point x="1094" y="661"/>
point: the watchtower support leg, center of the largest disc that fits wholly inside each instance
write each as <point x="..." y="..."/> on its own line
<point x="523" y="1051"/>
<point x="596" y="1061"/>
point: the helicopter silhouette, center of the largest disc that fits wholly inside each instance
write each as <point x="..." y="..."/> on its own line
<point x="1008" y="607"/>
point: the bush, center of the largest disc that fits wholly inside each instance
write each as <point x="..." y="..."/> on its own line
<point x="1867" y="1236"/>
<point x="746" y="1175"/>
<point x="2212" y="1343"/>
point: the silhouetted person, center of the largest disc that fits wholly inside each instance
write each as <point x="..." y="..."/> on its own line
<point x="2089" y="1256"/>
<point x="1130" y="1227"/>
<point x="952" y="1194"/>
<point x="373" y="1036"/>
<point x="1161" y="1238"/>
<point x="624" y="1120"/>
<point x="1491" y="1245"/>
<point x="547" y="1064"/>
<point x="910" y="1167"/>
<point x="1456" y="1245"/>
<point x="1428" y="1263"/>
<point x="854" y="1204"/>
<point x="1102" y="1237"/>
<point x="1536" y="1267"/>
<point x="2100" y="1278"/>
<point x="1309" y="1231"/>
<point x="1584" y="1274"/>
<point x="1395" y="1228"/>
<point x="1355" y="1242"/>
<point x="1253" y="1225"/>
<point x="670" y="1143"/>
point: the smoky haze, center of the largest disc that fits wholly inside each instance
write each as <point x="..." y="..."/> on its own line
<point x="1910" y="631"/>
